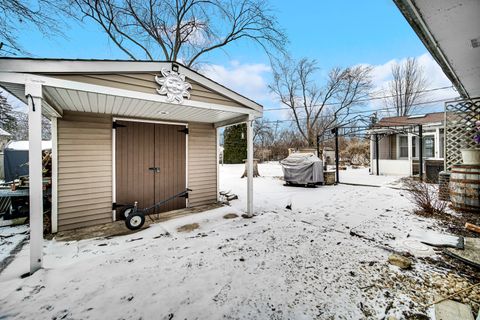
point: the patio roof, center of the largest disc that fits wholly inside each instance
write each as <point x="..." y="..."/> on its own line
<point x="450" y="30"/>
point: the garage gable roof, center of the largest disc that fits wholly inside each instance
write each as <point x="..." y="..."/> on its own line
<point x="64" y="68"/>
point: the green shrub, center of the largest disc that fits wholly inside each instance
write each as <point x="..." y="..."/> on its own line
<point x="235" y="144"/>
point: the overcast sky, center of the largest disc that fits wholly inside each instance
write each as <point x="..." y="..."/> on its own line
<point x="335" y="33"/>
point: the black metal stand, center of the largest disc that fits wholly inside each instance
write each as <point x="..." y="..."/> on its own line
<point x="377" y="156"/>
<point x="420" y="152"/>
<point x="337" y="157"/>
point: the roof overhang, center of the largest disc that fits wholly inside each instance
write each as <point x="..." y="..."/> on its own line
<point x="65" y="95"/>
<point x="449" y="29"/>
<point x="62" y="95"/>
<point x="406" y="127"/>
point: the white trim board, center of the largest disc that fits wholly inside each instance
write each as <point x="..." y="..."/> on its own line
<point x="150" y="121"/>
<point x="114" y="179"/>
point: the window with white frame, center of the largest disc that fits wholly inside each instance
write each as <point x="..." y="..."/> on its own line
<point x="403" y="146"/>
<point x="414" y="146"/>
<point x="441" y="136"/>
<point x="429" y="147"/>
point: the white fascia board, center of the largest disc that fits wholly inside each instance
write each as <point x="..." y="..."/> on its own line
<point x="23" y="78"/>
<point x="231" y="122"/>
<point x="434" y="124"/>
<point x="79" y="66"/>
<point x="96" y="66"/>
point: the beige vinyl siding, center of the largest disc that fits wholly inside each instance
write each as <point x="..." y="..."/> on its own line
<point x="145" y="82"/>
<point x="84" y="170"/>
<point x="202" y="164"/>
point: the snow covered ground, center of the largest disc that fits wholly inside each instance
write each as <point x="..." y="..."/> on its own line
<point x="11" y="237"/>
<point x="302" y="263"/>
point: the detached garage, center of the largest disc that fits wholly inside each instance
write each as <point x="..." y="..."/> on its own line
<point x="122" y="131"/>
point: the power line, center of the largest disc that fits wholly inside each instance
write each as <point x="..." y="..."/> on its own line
<point x="364" y="100"/>
<point x="364" y="111"/>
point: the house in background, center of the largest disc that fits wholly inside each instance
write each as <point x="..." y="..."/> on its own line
<point x="398" y="145"/>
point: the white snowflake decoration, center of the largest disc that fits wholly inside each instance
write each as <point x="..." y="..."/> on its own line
<point x="173" y="85"/>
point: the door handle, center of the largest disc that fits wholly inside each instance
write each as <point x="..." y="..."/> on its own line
<point x="154" y="169"/>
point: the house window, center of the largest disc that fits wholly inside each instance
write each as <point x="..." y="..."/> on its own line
<point x="429" y="147"/>
<point x="414" y="146"/>
<point x="442" y="143"/>
<point x="403" y="146"/>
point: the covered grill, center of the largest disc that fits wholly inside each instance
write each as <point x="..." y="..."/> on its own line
<point x="303" y="169"/>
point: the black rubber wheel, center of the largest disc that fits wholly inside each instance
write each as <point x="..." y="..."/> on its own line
<point x="125" y="212"/>
<point x="135" y="220"/>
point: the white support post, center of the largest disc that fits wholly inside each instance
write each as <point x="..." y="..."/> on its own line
<point x="33" y="92"/>
<point x="54" y="176"/>
<point x="250" y="166"/>
<point x="372" y="155"/>
<point x="437" y="143"/>
<point x="410" y="154"/>
<point x="217" y="149"/>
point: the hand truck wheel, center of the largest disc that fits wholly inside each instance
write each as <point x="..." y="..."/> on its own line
<point x="135" y="220"/>
<point x="125" y="212"/>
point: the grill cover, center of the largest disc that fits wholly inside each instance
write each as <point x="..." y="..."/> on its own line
<point x="302" y="168"/>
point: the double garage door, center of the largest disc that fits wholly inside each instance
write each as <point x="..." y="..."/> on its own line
<point x="150" y="163"/>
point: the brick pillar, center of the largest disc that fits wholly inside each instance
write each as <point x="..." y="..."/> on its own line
<point x="443" y="186"/>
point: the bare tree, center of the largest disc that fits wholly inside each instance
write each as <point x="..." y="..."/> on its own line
<point x="317" y="108"/>
<point x="262" y="131"/>
<point x="15" y="14"/>
<point x="407" y="87"/>
<point x="182" y="30"/>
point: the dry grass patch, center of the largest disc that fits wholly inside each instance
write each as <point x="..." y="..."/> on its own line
<point x="425" y="197"/>
<point x="188" y="227"/>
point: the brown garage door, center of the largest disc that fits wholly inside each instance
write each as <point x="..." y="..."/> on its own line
<point x="150" y="163"/>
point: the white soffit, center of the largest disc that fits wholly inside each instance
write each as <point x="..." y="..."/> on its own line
<point x="454" y="26"/>
<point x="82" y="101"/>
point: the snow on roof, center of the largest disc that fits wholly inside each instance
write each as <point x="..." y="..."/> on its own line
<point x="4" y="133"/>
<point x="23" y="145"/>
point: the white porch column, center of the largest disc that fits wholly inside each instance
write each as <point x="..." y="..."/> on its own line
<point x="54" y="176"/>
<point x="372" y="165"/>
<point x="437" y="143"/>
<point x="250" y="166"/>
<point x="33" y="92"/>
<point x="410" y="153"/>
